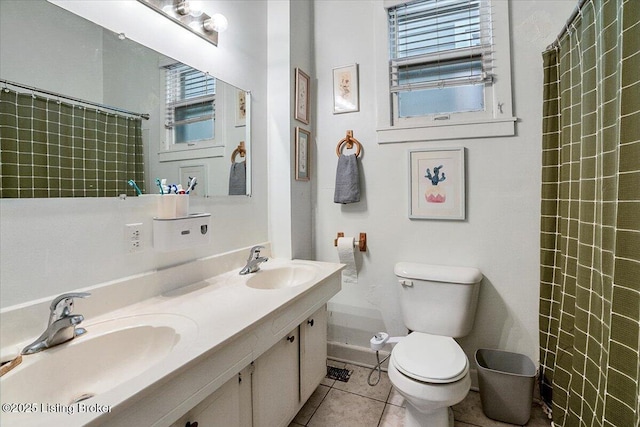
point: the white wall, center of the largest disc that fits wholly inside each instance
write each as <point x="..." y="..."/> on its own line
<point x="290" y="47"/>
<point x="57" y="245"/>
<point x="500" y="234"/>
<point x="301" y="191"/>
<point x="279" y="127"/>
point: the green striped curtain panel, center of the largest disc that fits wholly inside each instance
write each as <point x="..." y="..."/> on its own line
<point x="590" y="225"/>
<point x="54" y="149"/>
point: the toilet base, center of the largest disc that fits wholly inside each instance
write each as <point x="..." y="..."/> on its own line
<point x="441" y="417"/>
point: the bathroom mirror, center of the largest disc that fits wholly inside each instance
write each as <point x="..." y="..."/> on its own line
<point x="45" y="47"/>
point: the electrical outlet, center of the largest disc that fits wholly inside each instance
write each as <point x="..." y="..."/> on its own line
<point x="133" y="237"/>
<point x="135" y="246"/>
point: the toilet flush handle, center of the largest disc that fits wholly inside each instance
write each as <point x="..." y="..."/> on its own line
<point x="406" y="283"/>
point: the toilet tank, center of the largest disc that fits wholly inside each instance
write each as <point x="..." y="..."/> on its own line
<point x="437" y="299"/>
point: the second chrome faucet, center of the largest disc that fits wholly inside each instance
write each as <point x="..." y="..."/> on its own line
<point x="254" y="260"/>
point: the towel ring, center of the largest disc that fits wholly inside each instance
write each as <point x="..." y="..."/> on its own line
<point x="350" y="141"/>
<point x="239" y="150"/>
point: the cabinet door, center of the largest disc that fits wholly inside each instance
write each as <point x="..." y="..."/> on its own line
<point x="226" y="407"/>
<point x="313" y="352"/>
<point x="275" y="384"/>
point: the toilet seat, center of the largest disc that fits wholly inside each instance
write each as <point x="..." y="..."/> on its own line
<point x="430" y="358"/>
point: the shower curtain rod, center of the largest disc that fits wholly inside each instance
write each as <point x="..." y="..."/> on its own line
<point x="574" y="14"/>
<point x="70" y="98"/>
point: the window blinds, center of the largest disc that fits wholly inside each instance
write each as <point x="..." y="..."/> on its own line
<point x="190" y="95"/>
<point x="438" y="43"/>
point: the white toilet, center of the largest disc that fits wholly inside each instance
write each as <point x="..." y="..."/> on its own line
<point x="428" y="367"/>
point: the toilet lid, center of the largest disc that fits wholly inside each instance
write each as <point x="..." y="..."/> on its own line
<point x="430" y="358"/>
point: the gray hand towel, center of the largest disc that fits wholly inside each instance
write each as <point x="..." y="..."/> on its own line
<point x="238" y="179"/>
<point x="347" y="180"/>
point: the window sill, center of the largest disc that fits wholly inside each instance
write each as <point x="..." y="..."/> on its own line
<point x="191" y="153"/>
<point x="448" y="130"/>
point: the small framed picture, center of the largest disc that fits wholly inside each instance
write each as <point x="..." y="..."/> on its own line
<point x="437" y="184"/>
<point x="345" y="89"/>
<point x="302" y="154"/>
<point x="241" y="108"/>
<point x="303" y="98"/>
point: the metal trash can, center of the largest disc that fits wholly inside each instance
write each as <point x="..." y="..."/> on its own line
<point x="506" y="385"/>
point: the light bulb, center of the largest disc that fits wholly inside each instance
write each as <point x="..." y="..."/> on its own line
<point x="183" y="7"/>
<point x="195" y="8"/>
<point x="216" y="23"/>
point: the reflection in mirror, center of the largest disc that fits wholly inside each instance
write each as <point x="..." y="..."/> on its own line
<point x="71" y="124"/>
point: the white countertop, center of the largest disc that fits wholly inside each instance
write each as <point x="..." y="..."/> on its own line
<point x="232" y="324"/>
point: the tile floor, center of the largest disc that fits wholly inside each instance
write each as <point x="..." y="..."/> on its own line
<point x="356" y="404"/>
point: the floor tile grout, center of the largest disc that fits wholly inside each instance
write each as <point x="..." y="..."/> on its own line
<point x="385" y="403"/>
<point x="316" y="409"/>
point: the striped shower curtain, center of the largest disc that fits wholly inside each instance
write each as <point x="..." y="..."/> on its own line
<point x="54" y="149"/>
<point x="590" y="225"/>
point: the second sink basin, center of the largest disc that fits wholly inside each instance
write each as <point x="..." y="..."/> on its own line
<point x="282" y="276"/>
<point x="109" y="354"/>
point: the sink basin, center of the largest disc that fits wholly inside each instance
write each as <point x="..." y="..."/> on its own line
<point x="109" y="354"/>
<point x="279" y="277"/>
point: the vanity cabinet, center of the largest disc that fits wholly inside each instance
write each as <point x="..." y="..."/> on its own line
<point x="313" y="353"/>
<point x="229" y="406"/>
<point x="271" y="390"/>
<point x="288" y="373"/>
<point x="275" y="383"/>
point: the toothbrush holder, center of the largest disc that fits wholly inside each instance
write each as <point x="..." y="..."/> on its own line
<point x="182" y="205"/>
<point x="167" y="206"/>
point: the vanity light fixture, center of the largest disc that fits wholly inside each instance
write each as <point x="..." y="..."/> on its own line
<point x="216" y="23"/>
<point x="189" y="15"/>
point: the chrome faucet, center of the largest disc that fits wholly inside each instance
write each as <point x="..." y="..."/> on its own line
<point x="62" y="324"/>
<point x="254" y="260"/>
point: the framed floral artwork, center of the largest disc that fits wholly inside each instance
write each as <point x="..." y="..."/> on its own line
<point x="437" y="184"/>
<point x="303" y="98"/>
<point x="345" y="89"/>
<point x="303" y="138"/>
<point x="241" y="108"/>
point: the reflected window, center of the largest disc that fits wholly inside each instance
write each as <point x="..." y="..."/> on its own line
<point x="191" y="101"/>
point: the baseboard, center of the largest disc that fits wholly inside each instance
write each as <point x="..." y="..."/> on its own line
<point x="353" y="354"/>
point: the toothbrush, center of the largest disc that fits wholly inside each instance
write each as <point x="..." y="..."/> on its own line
<point x="159" y="184"/>
<point x="192" y="184"/>
<point x="133" y="184"/>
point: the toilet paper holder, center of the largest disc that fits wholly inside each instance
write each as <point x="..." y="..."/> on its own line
<point x="361" y="243"/>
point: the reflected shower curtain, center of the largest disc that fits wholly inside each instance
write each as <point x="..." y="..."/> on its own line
<point x="54" y="149"/>
<point x="590" y="225"/>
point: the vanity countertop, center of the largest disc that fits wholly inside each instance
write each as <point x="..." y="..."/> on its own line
<point x="230" y="325"/>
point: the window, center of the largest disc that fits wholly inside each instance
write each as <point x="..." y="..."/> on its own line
<point x="190" y="103"/>
<point x="440" y="56"/>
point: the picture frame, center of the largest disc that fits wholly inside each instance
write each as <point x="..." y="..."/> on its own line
<point x="241" y="108"/>
<point x="303" y="97"/>
<point x="437" y="184"/>
<point x="303" y="138"/>
<point x="200" y="172"/>
<point x="346" y="93"/>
